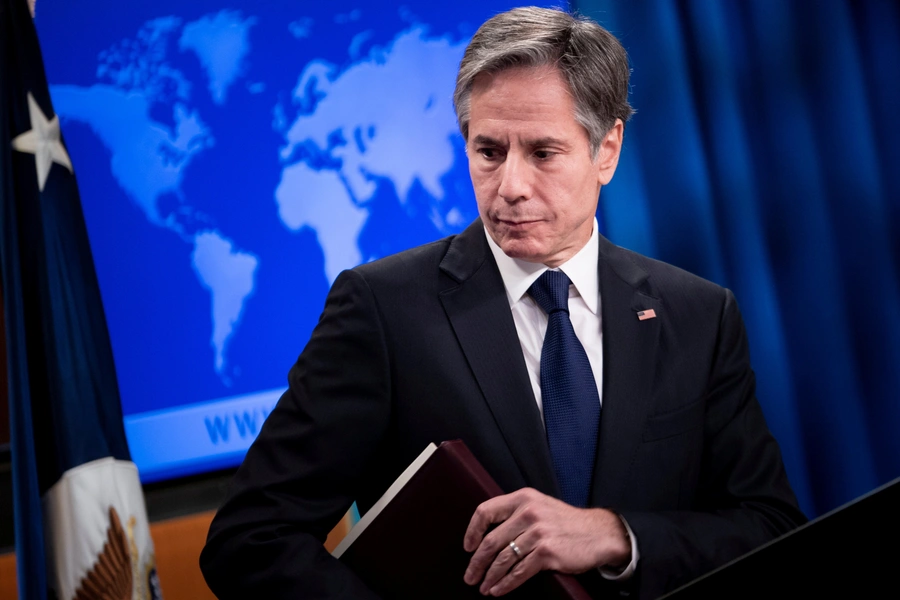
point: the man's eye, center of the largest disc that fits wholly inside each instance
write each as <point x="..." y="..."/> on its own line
<point x="489" y="153"/>
<point x="543" y="154"/>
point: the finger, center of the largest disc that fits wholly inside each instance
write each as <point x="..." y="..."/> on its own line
<point x="506" y="560"/>
<point x="530" y="538"/>
<point x="521" y="572"/>
<point x="491" y="546"/>
<point x="489" y="512"/>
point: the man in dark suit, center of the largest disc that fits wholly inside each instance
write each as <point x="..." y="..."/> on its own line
<point x="674" y="470"/>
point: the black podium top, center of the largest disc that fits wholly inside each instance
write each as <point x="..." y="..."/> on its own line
<point x="851" y="552"/>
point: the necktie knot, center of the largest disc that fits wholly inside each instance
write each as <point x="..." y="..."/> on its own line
<point x="551" y="291"/>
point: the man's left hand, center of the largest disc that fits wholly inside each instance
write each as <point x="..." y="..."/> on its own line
<point x="550" y="535"/>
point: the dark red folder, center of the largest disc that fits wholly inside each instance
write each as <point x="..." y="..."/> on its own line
<point x="413" y="546"/>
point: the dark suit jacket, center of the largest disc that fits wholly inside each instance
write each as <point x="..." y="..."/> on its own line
<point x="421" y="347"/>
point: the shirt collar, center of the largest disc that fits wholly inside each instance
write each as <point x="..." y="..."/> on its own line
<point x="518" y="275"/>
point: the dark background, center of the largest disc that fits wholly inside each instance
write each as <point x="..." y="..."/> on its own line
<point x="764" y="156"/>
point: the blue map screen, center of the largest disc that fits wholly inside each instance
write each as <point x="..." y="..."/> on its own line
<point x="232" y="160"/>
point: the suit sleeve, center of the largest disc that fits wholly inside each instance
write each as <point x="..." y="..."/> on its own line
<point x="305" y="468"/>
<point x="743" y="500"/>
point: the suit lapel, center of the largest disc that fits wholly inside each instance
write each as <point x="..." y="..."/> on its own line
<point x="476" y="304"/>
<point x="629" y="362"/>
<point x="478" y="309"/>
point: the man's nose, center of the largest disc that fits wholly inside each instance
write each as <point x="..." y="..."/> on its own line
<point x="515" y="178"/>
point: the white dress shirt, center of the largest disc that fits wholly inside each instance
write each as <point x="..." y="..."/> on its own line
<point x="531" y="320"/>
<point x="584" y="312"/>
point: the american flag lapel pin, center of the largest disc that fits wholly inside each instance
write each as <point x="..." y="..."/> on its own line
<point x="643" y="315"/>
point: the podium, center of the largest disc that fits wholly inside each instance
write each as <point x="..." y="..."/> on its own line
<point x="851" y="552"/>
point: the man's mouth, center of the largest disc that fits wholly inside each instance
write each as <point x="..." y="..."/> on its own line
<point x="517" y="222"/>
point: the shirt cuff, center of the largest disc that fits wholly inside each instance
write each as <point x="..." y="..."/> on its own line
<point x="616" y="574"/>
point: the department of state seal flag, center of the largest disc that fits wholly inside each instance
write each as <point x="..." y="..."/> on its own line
<point x="81" y="524"/>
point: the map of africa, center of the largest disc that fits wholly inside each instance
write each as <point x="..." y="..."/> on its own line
<point x="234" y="161"/>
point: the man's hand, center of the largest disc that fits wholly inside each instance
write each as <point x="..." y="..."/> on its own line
<point x="550" y="535"/>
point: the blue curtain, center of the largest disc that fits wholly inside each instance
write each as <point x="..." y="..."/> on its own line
<point x="765" y="156"/>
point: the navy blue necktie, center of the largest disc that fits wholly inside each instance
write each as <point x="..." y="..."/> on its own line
<point x="568" y="390"/>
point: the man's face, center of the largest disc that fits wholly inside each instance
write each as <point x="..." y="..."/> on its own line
<point x="530" y="162"/>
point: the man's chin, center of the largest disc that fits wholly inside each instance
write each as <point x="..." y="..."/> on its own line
<point x="522" y="250"/>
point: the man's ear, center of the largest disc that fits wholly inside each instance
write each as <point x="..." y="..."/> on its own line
<point x="608" y="155"/>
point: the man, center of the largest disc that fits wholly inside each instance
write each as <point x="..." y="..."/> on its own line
<point x="461" y="339"/>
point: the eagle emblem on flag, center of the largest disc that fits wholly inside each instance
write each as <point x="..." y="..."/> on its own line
<point x="110" y="578"/>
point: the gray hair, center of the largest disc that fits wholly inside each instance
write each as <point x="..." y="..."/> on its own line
<point x="591" y="59"/>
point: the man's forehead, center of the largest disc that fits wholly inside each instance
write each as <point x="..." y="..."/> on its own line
<point x="530" y="105"/>
<point x="522" y="93"/>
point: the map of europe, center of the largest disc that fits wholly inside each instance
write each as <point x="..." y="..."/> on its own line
<point x="233" y="162"/>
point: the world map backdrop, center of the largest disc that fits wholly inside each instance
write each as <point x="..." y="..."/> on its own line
<point x="232" y="160"/>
